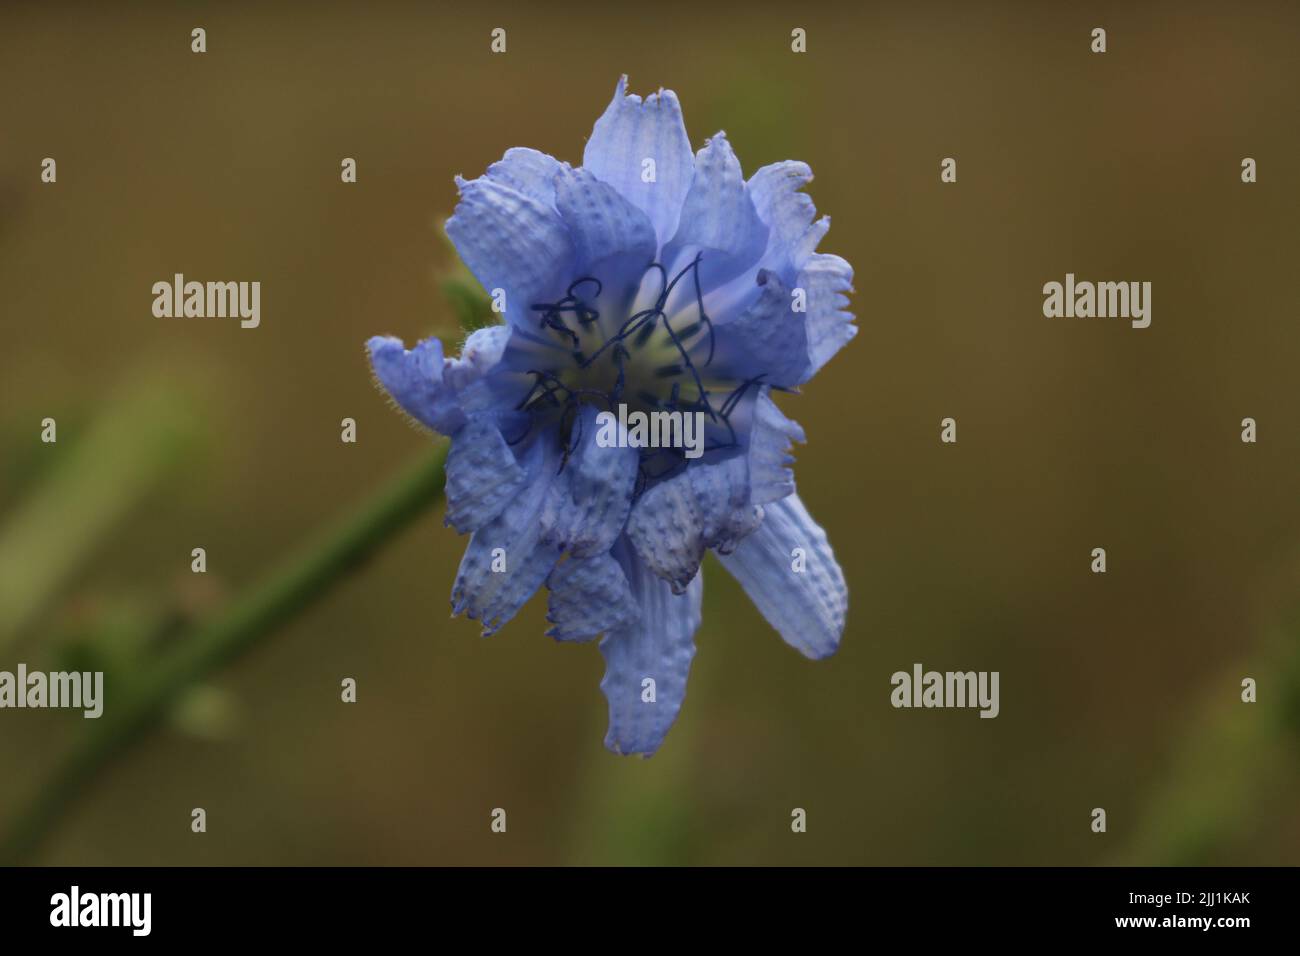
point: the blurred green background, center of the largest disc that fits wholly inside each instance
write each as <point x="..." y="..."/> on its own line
<point x="1118" y="690"/>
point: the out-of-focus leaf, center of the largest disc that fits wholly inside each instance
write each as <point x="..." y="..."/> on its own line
<point x="472" y="307"/>
<point x="1236" y="761"/>
<point x="24" y="463"/>
<point x="206" y="712"/>
<point x="96" y="477"/>
<point x="468" y="300"/>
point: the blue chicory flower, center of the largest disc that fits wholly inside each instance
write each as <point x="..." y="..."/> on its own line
<point x="659" y="281"/>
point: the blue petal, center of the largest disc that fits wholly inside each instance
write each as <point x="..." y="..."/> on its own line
<point x="512" y="242"/>
<point x="631" y="132"/>
<point x="659" y="645"/>
<point x="676" y="521"/>
<point x="494" y="596"/>
<point x="479" y="375"/>
<point x="414" y="381"/>
<point x="602" y="223"/>
<point x="826" y="279"/>
<point x="718" y="218"/>
<point x="439" y="393"/>
<point x="795" y="233"/>
<point x="788" y="213"/>
<point x="482" y="475"/>
<point x="589" y="501"/>
<point x="589" y="596"/>
<point x="807" y="608"/>
<point x="768" y="338"/>
<point x="770" y="477"/>
<point x="529" y="172"/>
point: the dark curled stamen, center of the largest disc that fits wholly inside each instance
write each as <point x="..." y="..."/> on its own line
<point x="553" y="312"/>
<point x="699" y="302"/>
<point x="734" y="398"/>
<point x="548" y="391"/>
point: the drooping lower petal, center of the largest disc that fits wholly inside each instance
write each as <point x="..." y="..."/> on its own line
<point x="648" y="661"/>
<point x="506" y="561"/>
<point x="589" y="597"/>
<point x="482" y="475"/>
<point x="641" y="149"/>
<point x="588" y="502"/>
<point x="790" y="573"/>
<point x="676" y="521"/>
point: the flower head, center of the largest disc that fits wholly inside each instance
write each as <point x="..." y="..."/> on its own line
<point x="655" y="281"/>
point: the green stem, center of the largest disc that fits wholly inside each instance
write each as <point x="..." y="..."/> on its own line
<point x="212" y="645"/>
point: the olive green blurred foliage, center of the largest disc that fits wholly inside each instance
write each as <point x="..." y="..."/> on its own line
<point x="466" y="299"/>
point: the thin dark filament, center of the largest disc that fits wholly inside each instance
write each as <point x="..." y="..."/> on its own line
<point x="549" y="391"/>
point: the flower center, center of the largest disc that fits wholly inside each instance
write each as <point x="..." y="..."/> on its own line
<point x="656" y="360"/>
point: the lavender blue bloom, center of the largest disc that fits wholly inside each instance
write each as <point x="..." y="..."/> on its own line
<point x="662" y="281"/>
